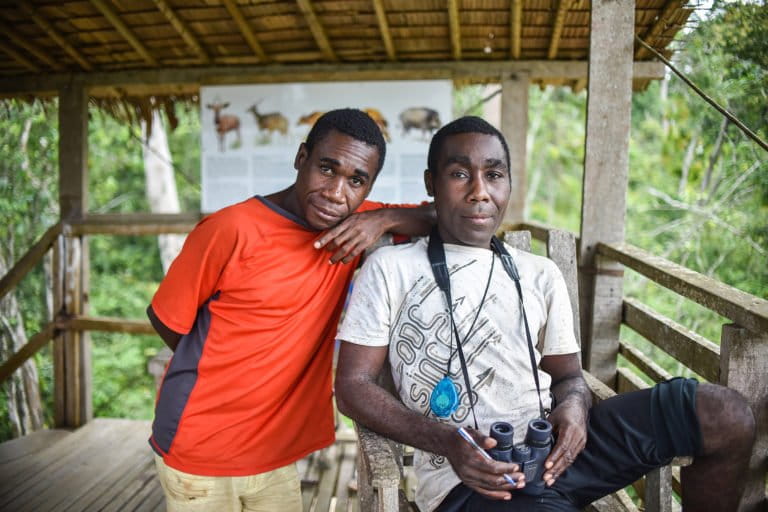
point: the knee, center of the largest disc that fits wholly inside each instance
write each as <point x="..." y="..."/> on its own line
<point x="725" y="418"/>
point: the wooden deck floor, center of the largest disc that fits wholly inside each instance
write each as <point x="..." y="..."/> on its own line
<point x="107" y="465"/>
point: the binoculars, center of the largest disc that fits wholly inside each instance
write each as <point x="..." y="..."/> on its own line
<point x="530" y="455"/>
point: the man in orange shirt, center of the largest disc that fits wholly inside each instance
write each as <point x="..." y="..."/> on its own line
<point x="250" y="308"/>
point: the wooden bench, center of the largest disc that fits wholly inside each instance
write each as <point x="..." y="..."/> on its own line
<point x="383" y="464"/>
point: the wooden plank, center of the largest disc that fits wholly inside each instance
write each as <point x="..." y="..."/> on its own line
<point x="659" y="26"/>
<point x="455" y="28"/>
<point x="514" y="126"/>
<point x="599" y="390"/>
<point x="346" y="475"/>
<point x="245" y="29"/>
<point x="327" y="484"/>
<point x="386" y="36"/>
<point x="126" y="480"/>
<point x="54" y="34"/>
<point x="58" y="266"/>
<point x="92" y="472"/>
<point x="561" y="248"/>
<point x="35" y="475"/>
<point x="183" y="30"/>
<point x="606" y="165"/>
<point x="744" y="367"/>
<point x="30" y="444"/>
<point x="317" y="30"/>
<point x="35" y="343"/>
<point x="31" y="258"/>
<point x="137" y="224"/>
<point x="515" y="27"/>
<point x="627" y="380"/>
<point x="742" y="308"/>
<point x="658" y="490"/>
<point x="557" y="29"/>
<point x="106" y="324"/>
<point x="142" y="489"/>
<point x="520" y="240"/>
<point x="643" y="362"/>
<point x="538" y="230"/>
<point x="693" y="350"/>
<point x="173" y="80"/>
<point x="26" y="43"/>
<point x="19" y="58"/>
<point x="310" y="480"/>
<point x="114" y="18"/>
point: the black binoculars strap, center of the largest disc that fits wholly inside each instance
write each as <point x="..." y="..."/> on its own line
<point x="436" y="255"/>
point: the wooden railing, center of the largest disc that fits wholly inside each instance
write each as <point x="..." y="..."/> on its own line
<point x="740" y="361"/>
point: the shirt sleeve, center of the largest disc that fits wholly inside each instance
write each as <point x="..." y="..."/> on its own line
<point x="193" y="277"/>
<point x="559" y="337"/>
<point x="367" y="318"/>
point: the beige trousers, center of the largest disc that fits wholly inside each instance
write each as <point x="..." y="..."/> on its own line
<point x="275" y="491"/>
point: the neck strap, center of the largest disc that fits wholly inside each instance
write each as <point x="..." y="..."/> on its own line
<point x="436" y="254"/>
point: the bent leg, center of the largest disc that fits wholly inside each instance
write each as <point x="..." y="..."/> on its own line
<point x="715" y="480"/>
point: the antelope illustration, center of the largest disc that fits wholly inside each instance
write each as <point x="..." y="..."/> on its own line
<point x="224" y="122"/>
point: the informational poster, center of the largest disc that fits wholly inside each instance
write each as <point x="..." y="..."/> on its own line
<point x="250" y="134"/>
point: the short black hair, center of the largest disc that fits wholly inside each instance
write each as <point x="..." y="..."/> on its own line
<point x="349" y="121"/>
<point x="466" y="124"/>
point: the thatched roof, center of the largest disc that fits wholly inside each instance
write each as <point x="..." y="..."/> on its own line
<point x="189" y="41"/>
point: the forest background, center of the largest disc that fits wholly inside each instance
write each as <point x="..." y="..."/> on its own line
<point x="698" y="195"/>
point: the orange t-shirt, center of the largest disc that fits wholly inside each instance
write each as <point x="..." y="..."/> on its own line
<point x="248" y="388"/>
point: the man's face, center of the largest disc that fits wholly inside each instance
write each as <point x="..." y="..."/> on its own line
<point x="471" y="188"/>
<point x="334" y="179"/>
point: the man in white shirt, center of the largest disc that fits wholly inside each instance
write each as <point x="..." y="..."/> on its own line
<point x="485" y="346"/>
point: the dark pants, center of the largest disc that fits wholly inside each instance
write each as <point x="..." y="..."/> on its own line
<point x="628" y="435"/>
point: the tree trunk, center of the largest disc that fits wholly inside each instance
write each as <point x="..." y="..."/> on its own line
<point x="161" y="185"/>
<point x="715" y="155"/>
<point x="25" y="411"/>
<point x="687" y="161"/>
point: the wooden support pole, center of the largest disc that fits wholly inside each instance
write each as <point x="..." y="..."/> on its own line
<point x="72" y="354"/>
<point x="514" y="126"/>
<point x="744" y="367"/>
<point x="386" y="36"/>
<point x="604" y="190"/>
<point x="658" y="490"/>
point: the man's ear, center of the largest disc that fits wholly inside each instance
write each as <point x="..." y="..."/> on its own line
<point x="301" y="156"/>
<point x="428" y="183"/>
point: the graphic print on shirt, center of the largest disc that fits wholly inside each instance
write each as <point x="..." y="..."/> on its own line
<point x="421" y="338"/>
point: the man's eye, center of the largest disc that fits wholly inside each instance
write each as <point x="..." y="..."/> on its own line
<point x="357" y="181"/>
<point x="326" y="170"/>
<point x="495" y="175"/>
<point x="459" y="174"/>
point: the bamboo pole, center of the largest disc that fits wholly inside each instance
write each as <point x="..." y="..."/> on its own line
<point x="35" y="343"/>
<point x="29" y="260"/>
<point x="735" y="120"/>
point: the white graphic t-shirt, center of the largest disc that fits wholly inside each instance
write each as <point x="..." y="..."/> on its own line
<point x="395" y="301"/>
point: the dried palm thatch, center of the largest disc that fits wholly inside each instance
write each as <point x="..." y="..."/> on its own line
<point x="290" y="40"/>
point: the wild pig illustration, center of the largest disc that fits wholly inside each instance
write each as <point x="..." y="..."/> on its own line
<point x="421" y="118"/>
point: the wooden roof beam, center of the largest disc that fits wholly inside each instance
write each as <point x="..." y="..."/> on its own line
<point x="125" y="31"/>
<point x="557" y="30"/>
<point x="515" y="27"/>
<point x="183" y="30"/>
<point x="32" y="48"/>
<point x="245" y="29"/>
<point x="453" y="19"/>
<point x="19" y="58"/>
<point x="317" y="30"/>
<point x="381" y="16"/>
<point x="658" y="27"/>
<point x="49" y="29"/>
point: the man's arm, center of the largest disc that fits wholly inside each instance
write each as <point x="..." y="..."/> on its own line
<point x="171" y="338"/>
<point x="360" y="397"/>
<point x="361" y="230"/>
<point x="569" y="418"/>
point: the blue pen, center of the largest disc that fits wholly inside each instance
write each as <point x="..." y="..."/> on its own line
<point x="468" y="438"/>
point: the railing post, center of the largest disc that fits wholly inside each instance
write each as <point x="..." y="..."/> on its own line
<point x="604" y="190"/>
<point x="744" y="367"/>
<point x="72" y="353"/>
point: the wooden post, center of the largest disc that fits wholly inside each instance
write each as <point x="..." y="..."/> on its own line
<point x="658" y="490"/>
<point x="744" y="367"/>
<point x="514" y="126"/>
<point x="72" y="352"/>
<point x="604" y="190"/>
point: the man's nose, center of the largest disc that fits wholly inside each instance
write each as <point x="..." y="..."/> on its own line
<point x="334" y="190"/>
<point x="478" y="190"/>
